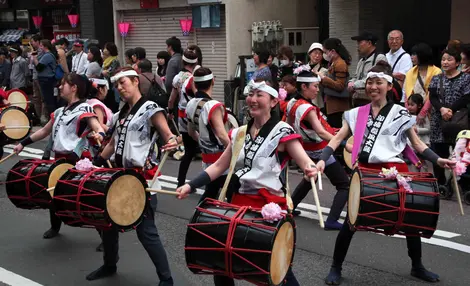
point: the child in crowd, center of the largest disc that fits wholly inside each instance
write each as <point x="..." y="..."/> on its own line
<point x="415" y="104"/>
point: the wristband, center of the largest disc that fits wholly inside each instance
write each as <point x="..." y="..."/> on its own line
<point x="326" y="153"/>
<point x="102" y="134"/>
<point x="99" y="161"/>
<point x="201" y="180"/>
<point x="27" y="141"/>
<point x="430" y="155"/>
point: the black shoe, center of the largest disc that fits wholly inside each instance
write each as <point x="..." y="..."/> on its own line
<point x="102" y="272"/>
<point x="50" y="233"/>
<point x="168" y="282"/>
<point x="296" y="213"/>
<point x="423" y="274"/>
<point x="334" y="277"/>
<point x="100" y="248"/>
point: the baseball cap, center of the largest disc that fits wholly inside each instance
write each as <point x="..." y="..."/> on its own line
<point x="315" y="46"/>
<point x="366" y="36"/>
<point x="78" y="43"/>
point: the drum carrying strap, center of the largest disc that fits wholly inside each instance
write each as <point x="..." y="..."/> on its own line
<point x="362" y="117"/>
<point x="237" y="148"/>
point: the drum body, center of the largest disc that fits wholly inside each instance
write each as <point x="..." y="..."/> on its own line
<point x="101" y="198"/>
<point x="18" y="98"/>
<point x="15" y="117"/>
<point x="232" y="121"/>
<point x="27" y="182"/>
<point x="234" y="241"/>
<point x="381" y="205"/>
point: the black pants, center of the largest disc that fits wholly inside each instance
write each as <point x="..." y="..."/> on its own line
<point x="190" y="149"/>
<point x="148" y="236"/>
<point x="212" y="189"/>
<point x="343" y="240"/>
<point x="338" y="177"/>
<point x="55" y="220"/>
<point x="441" y="149"/>
<point x="227" y="281"/>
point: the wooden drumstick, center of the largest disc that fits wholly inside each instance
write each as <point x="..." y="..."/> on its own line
<point x="19" y="102"/>
<point x="162" y="192"/>
<point x="17" y="127"/>
<point x="290" y="203"/>
<point x="165" y="156"/>
<point x="457" y="190"/>
<point x="320" y="184"/>
<point x="7" y="157"/>
<point x="51" y="191"/>
<point x="317" y="202"/>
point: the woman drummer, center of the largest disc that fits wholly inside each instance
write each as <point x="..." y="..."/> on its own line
<point x="133" y="144"/>
<point x="388" y="128"/>
<point x="270" y="145"/>
<point x="68" y="127"/>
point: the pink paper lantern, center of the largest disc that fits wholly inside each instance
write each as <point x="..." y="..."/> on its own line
<point x="73" y="20"/>
<point x="37" y="21"/>
<point x="186" y="25"/>
<point x="124" y="28"/>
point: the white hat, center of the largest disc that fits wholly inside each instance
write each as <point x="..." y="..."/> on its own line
<point x="315" y="46"/>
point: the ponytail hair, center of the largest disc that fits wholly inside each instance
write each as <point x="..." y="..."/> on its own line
<point x="337" y="45"/>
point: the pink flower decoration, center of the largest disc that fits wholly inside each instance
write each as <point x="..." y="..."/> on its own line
<point x="272" y="212"/>
<point x="84" y="165"/>
<point x="282" y="93"/>
<point x="460" y="148"/>
<point x="460" y="168"/>
<point x="301" y="69"/>
<point x="392" y="174"/>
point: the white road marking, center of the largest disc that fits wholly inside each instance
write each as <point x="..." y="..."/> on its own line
<point x="14" y="279"/>
<point x="23" y="154"/>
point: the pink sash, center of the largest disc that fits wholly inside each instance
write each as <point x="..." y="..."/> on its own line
<point x="362" y="117"/>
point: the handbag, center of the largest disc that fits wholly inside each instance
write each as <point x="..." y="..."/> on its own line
<point x="331" y="92"/>
<point x="459" y="120"/>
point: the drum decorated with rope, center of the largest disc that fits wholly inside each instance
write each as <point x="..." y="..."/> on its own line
<point x="383" y="205"/>
<point x="347" y="156"/>
<point x="18" y="98"/>
<point x="27" y="182"/>
<point x="101" y="198"/>
<point x="225" y="239"/>
<point x="17" y="123"/>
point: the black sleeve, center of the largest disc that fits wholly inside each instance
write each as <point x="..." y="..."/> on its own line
<point x="40" y="67"/>
<point x="434" y="97"/>
<point x="460" y="103"/>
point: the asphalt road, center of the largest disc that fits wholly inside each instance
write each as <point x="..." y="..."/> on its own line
<point x="66" y="260"/>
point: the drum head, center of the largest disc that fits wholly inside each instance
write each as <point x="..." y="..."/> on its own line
<point x="354" y="197"/>
<point x="14" y="116"/>
<point x="57" y="172"/>
<point x="125" y="202"/>
<point x="283" y="250"/>
<point x="18" y="98"/>
<point x="347" y="155"/>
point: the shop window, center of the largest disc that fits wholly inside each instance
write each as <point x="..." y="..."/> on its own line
<point x="7" y="16"/>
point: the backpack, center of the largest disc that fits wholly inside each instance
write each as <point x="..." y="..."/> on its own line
<point x="156" y="93"/>
<point x="58" y="71"/>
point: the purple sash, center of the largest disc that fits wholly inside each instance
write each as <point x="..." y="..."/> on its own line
<point x="362" y="117"/>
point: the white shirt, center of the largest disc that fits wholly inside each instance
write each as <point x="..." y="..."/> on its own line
<point x="79" y="63"/>
<point x="403" y="66"/>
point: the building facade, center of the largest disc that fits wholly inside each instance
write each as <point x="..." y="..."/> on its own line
<point x="221" y="46"/>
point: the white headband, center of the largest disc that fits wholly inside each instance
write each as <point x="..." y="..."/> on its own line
<point x="380" y="75"/>
<point x="100" y="81"/>
<point x="123" y="74"/>
<point x="203" y="78"/>
<point x="189" y="60"/>
<point x="260" y="86"/>
<point x="308" y="79"/>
